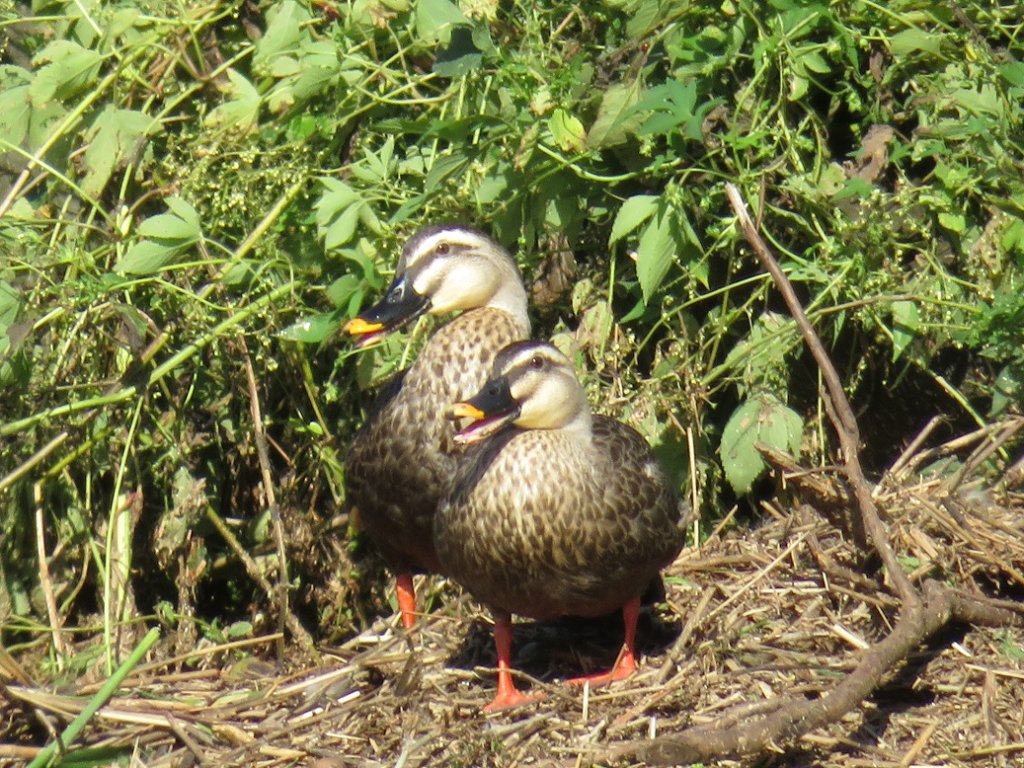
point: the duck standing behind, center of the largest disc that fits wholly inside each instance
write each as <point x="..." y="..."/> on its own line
<point x="557" y="512"/>
<point x="402" y="460"/>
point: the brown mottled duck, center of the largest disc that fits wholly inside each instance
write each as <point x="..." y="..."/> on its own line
<point x="557" y="512"/>
<point x="402" y="460"/>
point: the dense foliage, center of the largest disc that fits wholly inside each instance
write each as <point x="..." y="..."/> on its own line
<point x="194" y="198"/>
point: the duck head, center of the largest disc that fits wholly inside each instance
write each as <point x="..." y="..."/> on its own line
<point x="444" y="268"/>
<point x="532" y="386"/>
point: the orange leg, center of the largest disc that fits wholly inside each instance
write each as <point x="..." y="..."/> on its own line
<point x="406" y="599"/>
<point x="625" y="665"/>
<point x="508" y="695"/>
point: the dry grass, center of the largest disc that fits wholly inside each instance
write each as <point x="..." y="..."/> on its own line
<point x="751" y="618"/>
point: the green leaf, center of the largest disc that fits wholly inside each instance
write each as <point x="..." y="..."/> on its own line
<point x="435" y="19"/>
<point x="285" y="32"/>
<point x="168" y="234"/>
<point x="313" y="329"/>
<point x="242" y="110"/>
<point x="906" y="324"/>
<point x="114" y="138"/>
<point x="338" y="213"/>
<point x="616" y="119"/>
<point x="632" y="213"/>
<point x="1008" y="389"/>
<point x="181" y="224"/>
<point x="566" y="131"/>
<point x="654" y="253"/>
<point x="146" y="257"/>
<point x="343" y="228"/>
<point x="15" y="113"/>
<point x="762" y="420"/>
<point x="1013" y="73"/>
<point x="954" y="222"/>
<point x="910" y="40"/>
<point x="68" y="70"/>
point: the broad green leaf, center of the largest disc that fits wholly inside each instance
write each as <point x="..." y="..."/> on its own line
<point x="341" y="291"/>
<point x="242" y="110"/>
<point x="10" y="305"/>
<point x="146" y="257"/>
<point x="760" y="360"/>
<point x="910" y="40"/>
<point x="906" y="324"/>
<point x="341" y="231"/>
<point x="644" y="17"/>
<point x="181" y="224"/>
<point x="632" y="213"/>
<point x="312" y="329"/>
<point x="566" y="131"/>
<point x="460" y="57"/>
<point x="616" y="119"/>
<point x="15" y="111"/>
<point x="1013" y="237"/>
<point x="763" y="420"/>
<point x="815" y="62"/>
<point x="1013" y="73"/>
<point x="435" y="19"/>
<point x="67" y="69"/>
<point x="954" y="222"/>
<point x="654" y="253"/>
<point x="285" y="31"/>
<point x="446" y="166"/>
<point x="114" y="139"/>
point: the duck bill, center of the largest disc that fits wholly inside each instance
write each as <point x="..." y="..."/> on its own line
<point x="491" y="409"/>
<point x="399" y="305"/>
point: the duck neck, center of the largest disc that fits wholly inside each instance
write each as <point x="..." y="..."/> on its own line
<point x="579" y="427"/>
<point x="511" y="298"/>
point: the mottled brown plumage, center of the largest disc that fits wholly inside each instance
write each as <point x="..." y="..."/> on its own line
<point x="558" y="512"/>
<point x="401" y="462"/>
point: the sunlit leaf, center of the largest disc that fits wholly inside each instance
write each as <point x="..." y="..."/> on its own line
<point x="145" y="258"/>
<point x="567" y="131"/>
<point x="242" y="110"/>
<point x="312" y="329"/>
<point x="114" y="139"/>
<point x="616" y="119"/>
<point x="906" y="324"/>
<point x="910" y="40"/>
<point x="285" y="31"/>
<point x="763" y="420"/>
<point x="654" y="253"/>
<point x="67" y="69"/>
<point x="632" y="213"/>
<point x="435" y="19"/>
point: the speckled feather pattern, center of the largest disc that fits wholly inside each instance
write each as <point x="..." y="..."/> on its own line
<point x="402" y="461"/>
<point x="546" y="523"/>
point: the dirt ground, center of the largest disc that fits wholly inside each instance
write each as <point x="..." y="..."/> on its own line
<point x="749" y="616"/>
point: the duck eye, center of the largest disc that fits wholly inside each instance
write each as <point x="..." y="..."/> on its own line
<point x="537" y="363"/>
<point x="442" y="249"/>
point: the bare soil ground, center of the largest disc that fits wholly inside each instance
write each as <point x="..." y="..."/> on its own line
<point x="748" y="619"/>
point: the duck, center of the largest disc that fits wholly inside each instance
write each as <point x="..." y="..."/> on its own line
<point x="400" y="463"/>
<point x="556" y="511"/>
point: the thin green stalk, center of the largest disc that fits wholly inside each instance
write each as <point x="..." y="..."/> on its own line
<point x="60" y="745"/>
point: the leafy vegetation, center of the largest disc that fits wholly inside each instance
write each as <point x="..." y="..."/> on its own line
<point x="193" y="200"/>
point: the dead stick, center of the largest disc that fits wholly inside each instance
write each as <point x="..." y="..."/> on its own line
<point x="841" y="413"/>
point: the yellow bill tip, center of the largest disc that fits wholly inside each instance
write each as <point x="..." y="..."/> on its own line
<point x="357" y="327"/>
<point x="466" y="411"/>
